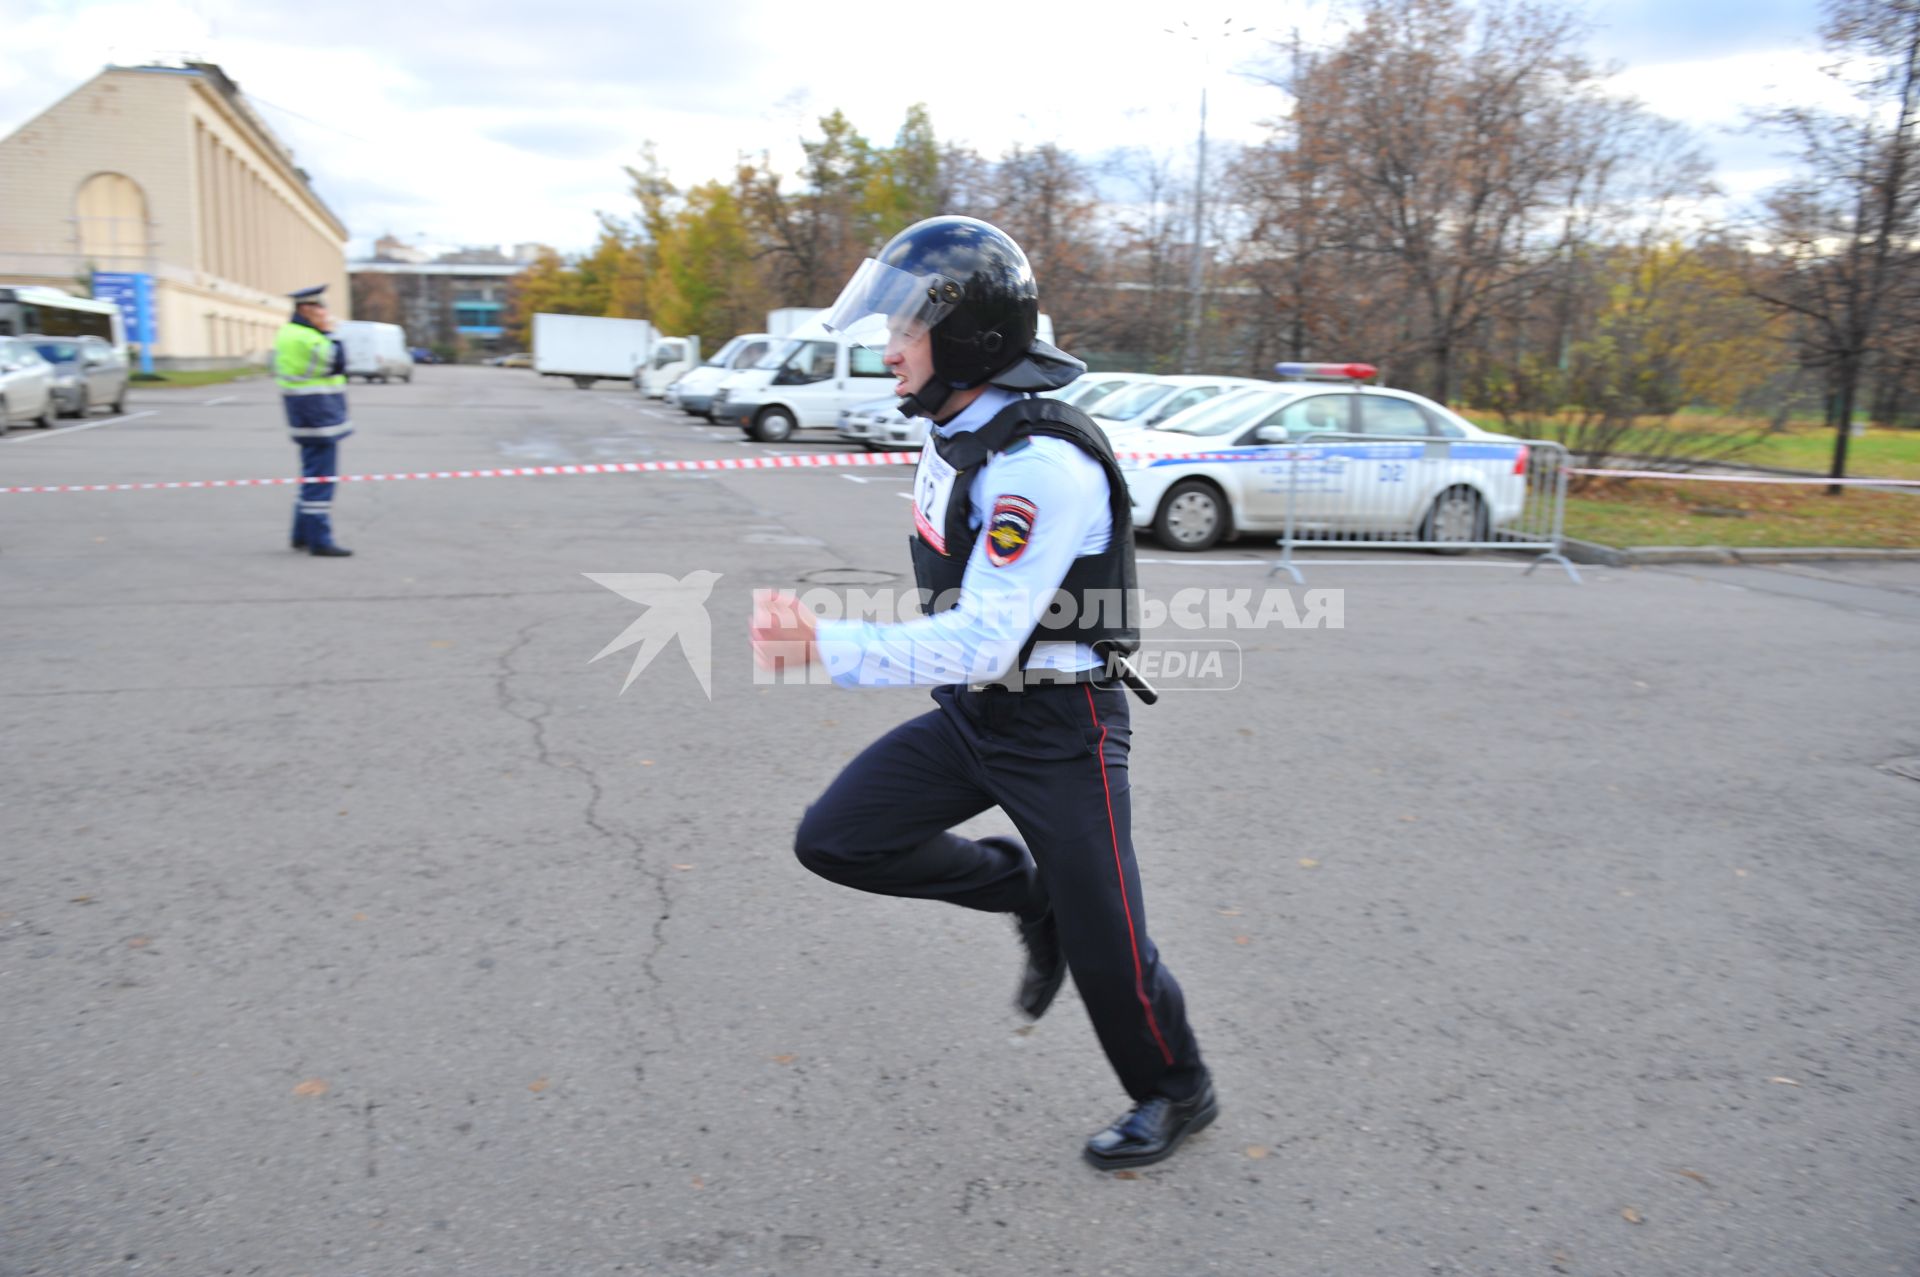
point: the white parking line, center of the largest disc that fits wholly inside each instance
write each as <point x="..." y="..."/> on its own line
<point x="222" y="399"/>
<point x="85" y="425"/>
<point x="853" y="478"/>
<point x="1340" y="563"/>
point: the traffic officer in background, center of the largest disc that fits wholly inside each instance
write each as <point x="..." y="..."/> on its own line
<point x="311" y="370"/>
<point x="1016" y="499"/>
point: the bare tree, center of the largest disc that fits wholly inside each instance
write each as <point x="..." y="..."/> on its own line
<point x="1841" y="236"/>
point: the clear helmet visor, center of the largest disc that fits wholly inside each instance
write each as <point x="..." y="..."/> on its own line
<point x="881" y="302"/>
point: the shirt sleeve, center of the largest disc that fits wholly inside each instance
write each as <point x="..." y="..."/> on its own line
<point x="1035" y="508"/>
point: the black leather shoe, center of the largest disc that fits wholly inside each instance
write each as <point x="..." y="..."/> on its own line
<point x="330" y="552"/>
<point x="1152" y="1131"/>
<point x="1046" y="965"/>
<point x="298" y="545"/>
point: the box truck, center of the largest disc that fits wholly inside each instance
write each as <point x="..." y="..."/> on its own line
<point x="590" y="348"/>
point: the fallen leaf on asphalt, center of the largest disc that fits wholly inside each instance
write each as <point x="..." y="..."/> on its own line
<point x="441" y="643"/>
<point x="1307" y="862"/>
<point x="1783" y="1081"/>
<point x="82" y="900"/>
<point x="1229" y="913"/>
<point x="138" y="942"/>
<point x="1692" y="1175"/>
<point x="646" y="762"/>
<point x="312" y="1086"/>
<point x="1126" y="1174"/>
<point x="783" y="1059"/>
<point x="1409" y="819"/>
<point x="683" y="868"/>
<point x="1632" y="1216"/>
<point x="1243" y="939"/>
<point x="1256" y="1151"/>
<point x="1739" y="873"/>
<point x="698" y="1182"/>
<point x="538" y="1085"/>
<point x="1025" y="1031"/>
<point x="359" y="917"/>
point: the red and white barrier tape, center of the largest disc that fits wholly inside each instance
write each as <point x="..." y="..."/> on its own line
<point x="792" y="461"/>
<point x="1742" y="478"/>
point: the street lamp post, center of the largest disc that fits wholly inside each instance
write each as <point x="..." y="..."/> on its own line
<point x="1196" y="277"/>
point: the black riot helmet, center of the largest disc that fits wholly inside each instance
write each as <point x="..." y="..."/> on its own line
<point x="969" y="287"/>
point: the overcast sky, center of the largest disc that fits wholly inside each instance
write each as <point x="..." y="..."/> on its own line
<point x="511" y="123"/>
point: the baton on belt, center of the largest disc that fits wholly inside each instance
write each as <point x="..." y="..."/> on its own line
<point x="1122" y="668"/>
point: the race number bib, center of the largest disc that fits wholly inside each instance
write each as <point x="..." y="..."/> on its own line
<point x="932" y="490"/>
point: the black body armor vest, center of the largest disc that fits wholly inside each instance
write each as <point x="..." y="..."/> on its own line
<point x="1112" y="624"/>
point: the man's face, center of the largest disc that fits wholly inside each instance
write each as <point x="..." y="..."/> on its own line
<point x="909" y="357"/>
<point x="315" y="313"/>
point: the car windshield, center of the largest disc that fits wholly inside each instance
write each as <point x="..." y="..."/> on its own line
<point x="777" y="354"/>
<point x="59" y="352"/>
<point x="721" y="356"/>
<point x="1135" y="402"/>
<point x="1225" y="414"/>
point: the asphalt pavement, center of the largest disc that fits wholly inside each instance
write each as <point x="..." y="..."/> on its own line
<point x="354" y="921"/>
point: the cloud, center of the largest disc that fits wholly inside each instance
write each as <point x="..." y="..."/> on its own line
<point x="512" y="121"/>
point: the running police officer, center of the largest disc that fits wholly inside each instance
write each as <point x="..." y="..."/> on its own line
<point x="311" y="369"/>
<point x="1017" y="499"/>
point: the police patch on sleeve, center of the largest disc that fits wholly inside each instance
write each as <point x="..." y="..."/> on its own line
<point x="1009" y="529"/>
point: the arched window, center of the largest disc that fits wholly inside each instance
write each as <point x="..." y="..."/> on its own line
<point x="111" y="214"/>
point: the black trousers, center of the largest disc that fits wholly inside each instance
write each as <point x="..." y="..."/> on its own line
<point x="1054" y="758"/>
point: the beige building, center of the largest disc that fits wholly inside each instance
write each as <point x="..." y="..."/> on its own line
<point x="167" y="171"/>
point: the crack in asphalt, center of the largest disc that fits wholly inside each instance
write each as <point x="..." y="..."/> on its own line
<point x="636" y="854"/>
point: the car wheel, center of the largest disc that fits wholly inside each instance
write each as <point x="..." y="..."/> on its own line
<point x="585" y="383"/>
<point x="1456" y="515"/>
<point x="6" y="417"/>
<point x="773" y="425"/>
<point x="1193" y="517"/>
<point x="45" y="419"/>
<point x="120" y="403"/>
<point x="81" y="407"/>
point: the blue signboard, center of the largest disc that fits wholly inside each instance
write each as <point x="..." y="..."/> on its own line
<point x="133" y="293"/>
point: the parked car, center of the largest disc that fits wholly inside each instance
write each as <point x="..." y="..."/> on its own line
<point x="1089" y="388"/>
<point x="882" y="427"/>
<point x="693" y="391"/>
<point x="87" y="371"/>
<point x="421" y="355"/>
<point x="804" y="381"/>
<point x="26" y="385"/>
<point x="375" y="351"/>
<point x="519" y="359"/>
<point x="1145" y="404"/>
<point x="1349" y="458"/>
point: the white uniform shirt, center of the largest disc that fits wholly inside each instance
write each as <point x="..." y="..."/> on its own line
<point x="1060" y="493"/>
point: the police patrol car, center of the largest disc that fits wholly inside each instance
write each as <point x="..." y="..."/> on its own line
<point x="882" y="427"/>
<point x="1350" y="459"/>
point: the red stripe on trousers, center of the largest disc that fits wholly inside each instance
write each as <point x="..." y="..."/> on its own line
<point x="1120" y="876"/>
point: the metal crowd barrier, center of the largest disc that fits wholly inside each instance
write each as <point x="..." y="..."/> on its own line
<point x="1424" y="494"/>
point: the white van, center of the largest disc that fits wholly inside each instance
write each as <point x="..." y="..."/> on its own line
<point x="693" y="392"/>
<point x="805" y="381"/>
<point x="375" y="352"/>
<point x="672" y="359"/>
